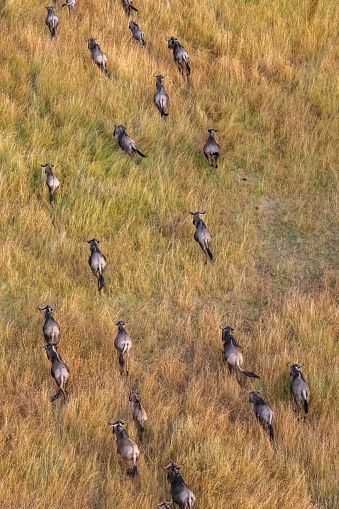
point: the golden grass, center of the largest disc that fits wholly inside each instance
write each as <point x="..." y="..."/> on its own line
<point x="265" y="73"/>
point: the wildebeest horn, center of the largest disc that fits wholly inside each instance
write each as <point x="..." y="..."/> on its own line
<point x="178" y="466"/>
<point x="204" y="212"/>
<point x="167" y="38"/>
<point x="116" y="421"/>
<point x="98" y="240"/>
<point x="44" y="345"/>
<point x="43" y="165"/>
<point x="43" y="307"/>
<point x="167" y="466"/>
<point x="54" y="343"/>
<point x="289" y="364"/>
<point x="162" y="503"/>
<point x="300" y="366"/>
<point x="90" y="240"/>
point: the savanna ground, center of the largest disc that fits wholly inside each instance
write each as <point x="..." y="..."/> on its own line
<point x="264" y="72"/>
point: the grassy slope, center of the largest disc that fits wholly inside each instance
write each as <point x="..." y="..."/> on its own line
<point x="265" y="73"/>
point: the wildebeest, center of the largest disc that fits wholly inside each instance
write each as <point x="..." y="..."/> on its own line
<point x="202" y="234"/>
<point x="70" y="4"/>
<point x="180" y="492"/>
<point x="52" y="182"/>
<point x="125" y="142"/>
<point x="59" y="370"/>
<point x="127" y="6"/>
<point x="127" y="449"/>
<point x="300" y="390"/>
<point x="231" y="354"/>
<point x="138" y="34"/>
<point x="98" y="56"/>
<point x="97" y="261"/>
<point x="164" y="505"/>
<point x="50" y="329"/>
<point x="161" y="96"/>
<point x="122" y="342"/>
<point x="52" y="20"/>
<point x="180" y="54"/>
<point x="139" y="413"/>
<point x="211" y="149"/>
<point x="262" y="411"/>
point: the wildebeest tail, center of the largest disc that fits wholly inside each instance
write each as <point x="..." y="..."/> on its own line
<point x="305" y="406"/>
<point x="140" y="153"/>
<point x="121" y="359"/>
<point x="208" y="251"/>
<point x="163" y="114"/>
<point x="270" y="427"/>
<point x="133" y="8"/>
<point x="53" y="32"/>
<point x="101" y="282"/>
<point x="60" y="391"/>
<point x="188" y="69"/>
<point x="250" y="374"/>
<point x="51" y="197"/>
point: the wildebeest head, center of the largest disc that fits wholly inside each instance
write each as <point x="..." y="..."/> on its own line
<point x="50" y="350"/>
<point x="48" y="309"/>
<point x="226" y="334"/>
<point x="93" y="243"/>
<point x="254" y="395"/>
<point x="294" y="369"/>
<point x="133" y="397"/>
<point x="159" y="77"/>
<point x="120" y="324"/>
<point x="48" y="167"/>
<point x="196" y="216"/>
<point x="212" y="130"/>
<point x="49" y="9"/>
<point x="171" y="41"/>
<point x="119" y="130"/>
<point x="172" y="471"/>
<point x="117" y="425"/>
<point x="164" y="505"/>
<point x="91" y="43"/>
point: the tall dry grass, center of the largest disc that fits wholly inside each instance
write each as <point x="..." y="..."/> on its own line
<point x="264" y="72"/>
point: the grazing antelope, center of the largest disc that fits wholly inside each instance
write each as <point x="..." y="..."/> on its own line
<point x="70" y="4"/>
<point x="164" y="505"/>
<point x="231" y="355"/>
<point x="98" y="56"/>
<point x="202" y="235"/>
<point x="59" y="370"/>
<point x="52" y="182"/>
<point x="52" y="21"/>
<point x="139" y="414"/>
<point x="97" y="261"/>
<point x="50" y="329"/>
<point x="300" y="390"/>
<point x="127" y="6"/>
<point x="211" y="149"/>
<point x="125" y="142"/>
<point x="127" y="449"/>
<point x="262" y="411"/>
<point x="138" y="34"/>
<point x="161" y="96"/>
<point x="122" y="343"/>
<point x="180" y="492"/>
<point x="180" y="55"/>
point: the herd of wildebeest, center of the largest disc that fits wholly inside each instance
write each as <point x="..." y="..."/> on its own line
<point x="300" y="391"/>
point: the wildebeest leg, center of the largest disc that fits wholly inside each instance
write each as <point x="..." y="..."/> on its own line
<point x="298" y="407"/>
<point x="216" y="160"/>
<point x="127" y="356"/>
